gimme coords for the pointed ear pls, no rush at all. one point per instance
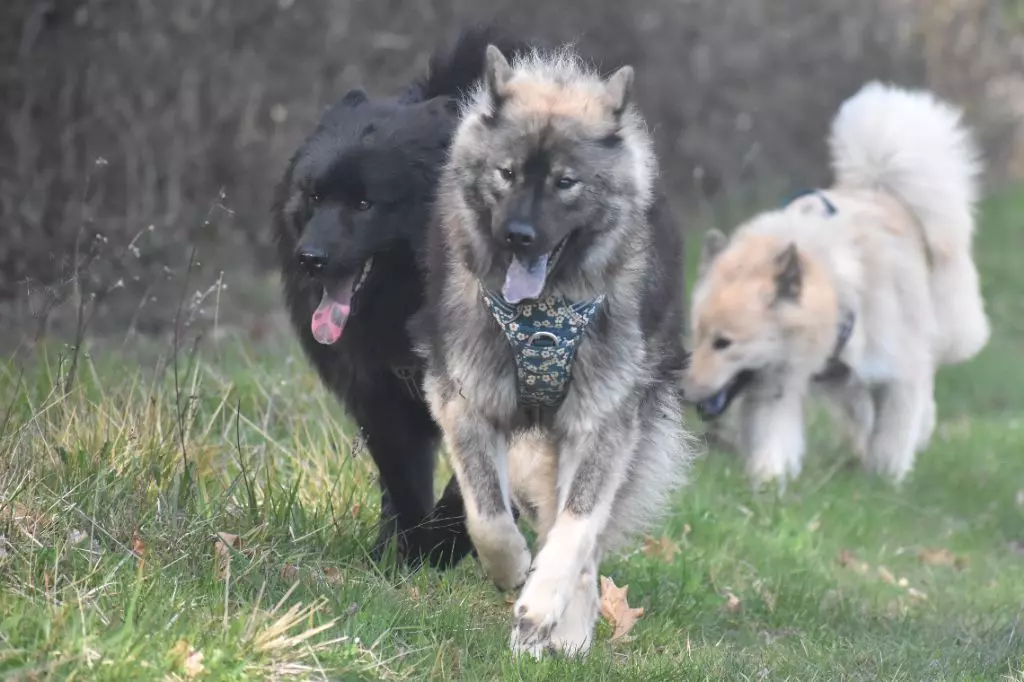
(619, 88)
(715, 242)
(788, 274)
(497, 73)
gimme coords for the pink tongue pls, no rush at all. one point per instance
(330, 316)
(522, 281)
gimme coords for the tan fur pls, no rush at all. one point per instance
(900, 266)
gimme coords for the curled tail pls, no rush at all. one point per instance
(454, 71)
(914, 146)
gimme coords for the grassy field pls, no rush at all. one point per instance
(112, 494)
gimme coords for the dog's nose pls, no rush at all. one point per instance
(520, 235)
(312, 260)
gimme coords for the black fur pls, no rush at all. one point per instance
(362, 185)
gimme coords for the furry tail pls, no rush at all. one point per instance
(914, 146)
(454, 72)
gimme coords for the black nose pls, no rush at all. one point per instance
(312, 260)
(519, 234)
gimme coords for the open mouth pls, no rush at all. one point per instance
(525, 277)
(718, 403)
(330, 316)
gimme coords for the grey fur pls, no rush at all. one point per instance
(617, 441)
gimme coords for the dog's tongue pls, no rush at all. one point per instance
(330, 316)
(524, 281)
(714, 405)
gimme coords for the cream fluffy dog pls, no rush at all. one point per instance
(861, 290)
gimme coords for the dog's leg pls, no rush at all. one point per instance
(574, 631)
(592, 467)
(478, 454)
(856, 411)
(900, 408)
(773, 433)
(404, 459)
(928, 417)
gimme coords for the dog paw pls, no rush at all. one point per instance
(506, 560)
(537, 613)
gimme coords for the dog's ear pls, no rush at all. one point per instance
(715, 242)
(619, 89)
(788, 274)
(498, 73)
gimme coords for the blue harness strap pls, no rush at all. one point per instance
(545, 335)
(830, 208)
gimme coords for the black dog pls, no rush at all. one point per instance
(350, 216)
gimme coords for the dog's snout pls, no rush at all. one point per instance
(520, 235)
(312, 259)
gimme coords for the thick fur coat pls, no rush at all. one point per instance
(550, 193)
(350, 216)
(861, 290)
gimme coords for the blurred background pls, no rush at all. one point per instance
(138, 133)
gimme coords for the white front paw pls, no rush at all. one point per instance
(536, 612)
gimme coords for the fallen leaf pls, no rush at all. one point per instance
(414, 593)
(615, 607)
(510, 599)
(188, 659)
(663, 548)
(77, 536)
(290, 572)
(332, 575)
(917, 594)
(848, 559)
(139, 548)
(223, 544)
(732, 602)
(937, 557)
(886, 575)
(356, 507)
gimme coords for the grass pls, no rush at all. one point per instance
(111, 495)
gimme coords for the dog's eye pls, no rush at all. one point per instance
(506, 174)
(363, 205)
(565, 182)
(721, 343)
(315, 197)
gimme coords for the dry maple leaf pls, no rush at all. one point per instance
(662, 548)
(848, 559)
(187, 658)
(886, 575)
(732, 602)
(941, 557)
(615, 608)
(223, 544)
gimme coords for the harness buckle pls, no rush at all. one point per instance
(552, 340)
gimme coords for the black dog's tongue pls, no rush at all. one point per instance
(330, 316)
(525, 281)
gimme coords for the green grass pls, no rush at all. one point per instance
(108, 569)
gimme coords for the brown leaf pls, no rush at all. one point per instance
(222, 546)
(937, 557)
(188, 659)
(290, 572)
(414, 594)
(848, 559)
(663, 548)
(886, 575)
(732, 602)
(332, 575)
(615, 607)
